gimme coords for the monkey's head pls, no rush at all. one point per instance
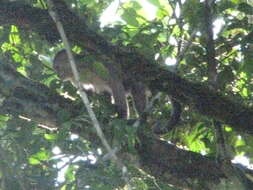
(62, 66)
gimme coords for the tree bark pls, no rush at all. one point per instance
(165, 161)
(206, 101)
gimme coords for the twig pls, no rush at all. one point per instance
(148, 108)
(83, 94)
(185, 47)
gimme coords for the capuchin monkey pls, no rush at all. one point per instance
(110, 79)
(101, 79)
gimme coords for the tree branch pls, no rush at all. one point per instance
(159, 158)
(204, 100)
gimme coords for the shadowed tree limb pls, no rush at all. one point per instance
(204, 100)
(161, 159)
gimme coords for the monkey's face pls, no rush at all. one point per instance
(61, 66)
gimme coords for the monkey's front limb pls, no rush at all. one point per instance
(140, 95)
(118, 90)
(119, 95)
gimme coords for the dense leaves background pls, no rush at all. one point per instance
(55, 138)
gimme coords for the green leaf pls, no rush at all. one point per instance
(129, 15)
(245, 92)
(240, 142)
(245, 8)
(248, 62)
(193, 12)
(70, 174)
(14, 36)
(228, 129)
(64, 187)
(135, 5)
(34, 161)
(223, 5)
(43, 155)
(4, 118)
(155, 2)
(51, 137)
(236, 1)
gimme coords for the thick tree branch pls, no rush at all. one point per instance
(171, 164)
(165, 161)
(31, 99)
(204, 100)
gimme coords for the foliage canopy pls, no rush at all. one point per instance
(174, 46)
